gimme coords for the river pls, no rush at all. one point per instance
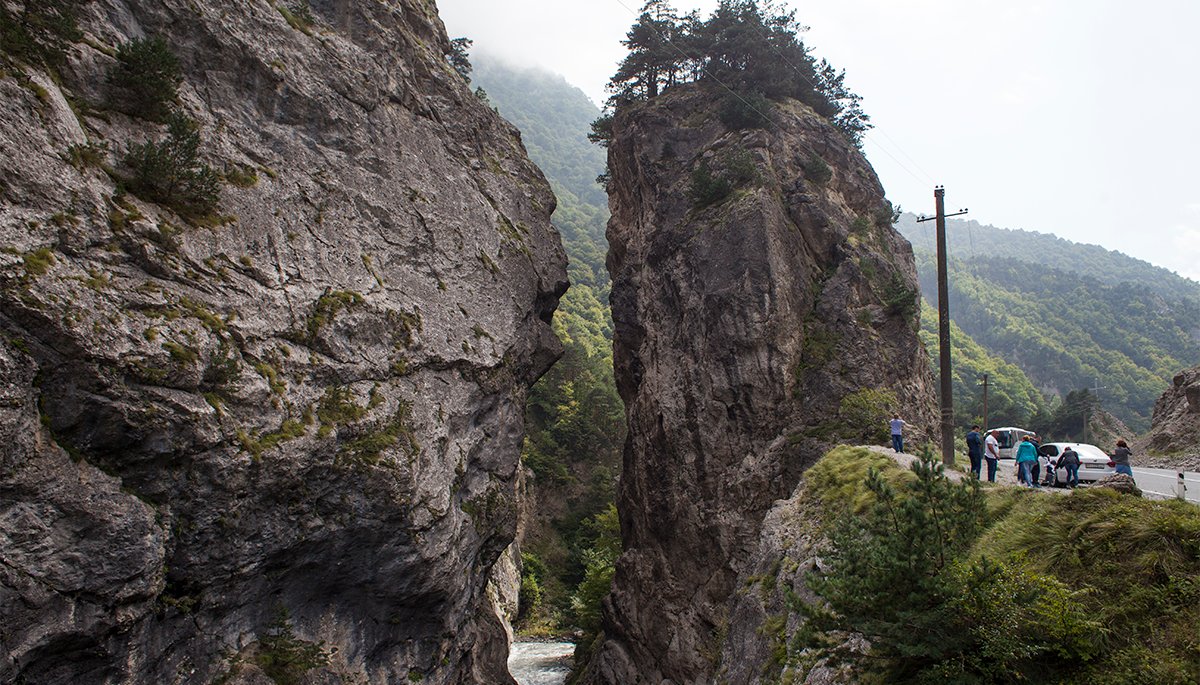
(540, 663)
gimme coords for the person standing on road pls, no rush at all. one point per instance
(974, 450)
(1037, 463)
(1026, 458)
(1069, 460)
(1121, 457)
(897, 425)
(991, 452)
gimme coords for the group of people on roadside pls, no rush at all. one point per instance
(1029, 466)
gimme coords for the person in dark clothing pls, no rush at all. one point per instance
(975, 450)
(1121, 457)
(1069, 460)
(1036, 469)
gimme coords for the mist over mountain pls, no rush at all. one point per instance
(966, 239)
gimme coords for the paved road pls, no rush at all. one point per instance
(1164, 483)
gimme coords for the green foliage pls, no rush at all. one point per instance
(745, 45)
(1066, 331)
(601, 562)
(284, 657)
(38, 262)
(1012, 398)
(556, 121)
(299, 16)
(149, 73)
(325, 308)
(866, 412)
(746, 110)
(41, 32)
(602, 132)
(242, 179)
(899, 299)
(1137, 561)
(366, 448)
(1090, 587)
(337, 408)
(575, 422)
(169, 172)
(706, 188)
(92, 154)
(968, 239)
(817, 171)
(459, 59)
(885, 575)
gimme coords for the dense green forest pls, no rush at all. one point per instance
(1068, 332)
(575, 421)
(1012, 399)
(968, 239)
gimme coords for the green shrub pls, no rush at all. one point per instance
(745, 110)
(899, 299)
(92, 154)
(886, 573)
(1089, 587)
(865, 413)
(242, 179)
(284, 657)
(706, 188)
(740, 169)
(169, 172)
(817, 171)
(149, 73)
(42, 32)
(299, 16)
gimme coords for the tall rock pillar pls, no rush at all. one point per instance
(741, 323)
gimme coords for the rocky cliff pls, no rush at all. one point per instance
(1174, 438)
(297, 418)
(745, 314)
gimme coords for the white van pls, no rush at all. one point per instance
(1009, 438)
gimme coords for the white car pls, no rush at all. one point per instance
(1094, 464)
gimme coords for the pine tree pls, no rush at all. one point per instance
(149, 72)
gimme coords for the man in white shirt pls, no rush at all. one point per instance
(991, 452)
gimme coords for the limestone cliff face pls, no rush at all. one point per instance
(740, 327)
(312, 401)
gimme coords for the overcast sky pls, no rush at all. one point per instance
(1071, 117)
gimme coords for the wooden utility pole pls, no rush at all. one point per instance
(1086, 407)
(939, 194)
(986, 425)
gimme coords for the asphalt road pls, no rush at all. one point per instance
(1164, 483)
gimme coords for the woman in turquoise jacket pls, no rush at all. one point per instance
(1026, 458)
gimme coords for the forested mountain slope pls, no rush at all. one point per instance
(1068, 331)
(1012, 398)
(575, 420)
(967, 239)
